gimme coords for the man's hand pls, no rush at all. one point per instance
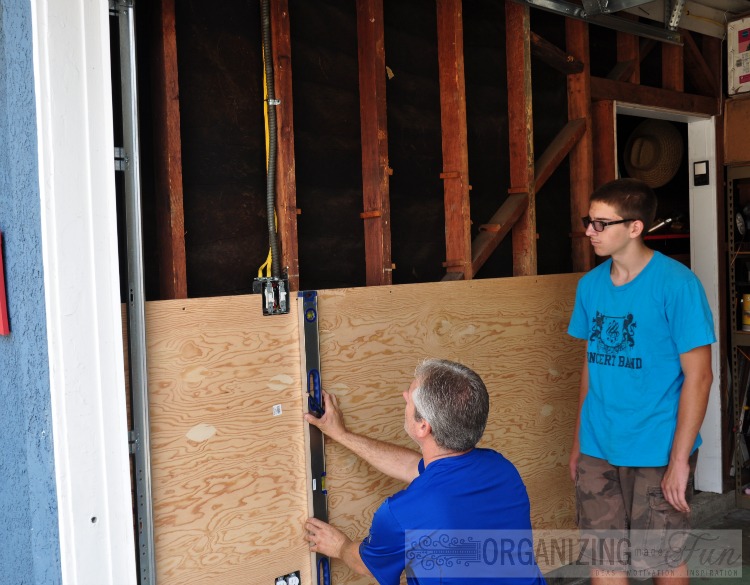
(674, 485)
(325, 539)
(332, 421)
(331, 542)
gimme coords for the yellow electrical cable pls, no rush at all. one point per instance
(269, 259)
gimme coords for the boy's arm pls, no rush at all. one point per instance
(583, 390)
(696, 365)
(395, 461)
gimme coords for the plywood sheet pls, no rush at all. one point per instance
(511, 331)
(229, 491)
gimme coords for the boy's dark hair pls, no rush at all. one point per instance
(631, 198)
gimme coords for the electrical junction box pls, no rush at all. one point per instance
(738, 55)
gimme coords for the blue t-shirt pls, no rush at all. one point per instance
(463, 518)
(636, 333)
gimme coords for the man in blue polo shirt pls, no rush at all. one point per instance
(465, 513)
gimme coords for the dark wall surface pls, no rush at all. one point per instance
(223, 152)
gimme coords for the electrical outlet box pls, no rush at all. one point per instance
(274, 294)
(290, 579)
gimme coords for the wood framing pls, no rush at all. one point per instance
(558, 149)
(455, 173)
(581, 156)
(374, 124)
(607, 89)
(713, 55)
(603, 117)
(628, 58)
(286, 179)
(170, 215)
(494, 231)
(700, 71)
(521, 135)
(672, 67)
(545, 51)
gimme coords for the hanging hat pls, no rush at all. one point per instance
(653, 152)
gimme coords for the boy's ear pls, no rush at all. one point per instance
(637, 228)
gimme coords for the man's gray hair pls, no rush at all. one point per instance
(454, 400)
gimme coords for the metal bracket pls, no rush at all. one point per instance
(132, 442)
(129, 164)
(121, 159)
(307, 305)
(605, 19)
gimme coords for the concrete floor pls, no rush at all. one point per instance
(732, 519)
(715, 513)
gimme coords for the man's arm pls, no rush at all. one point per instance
(331, 542)
(397, 462)
(696, 365)
(582, 391)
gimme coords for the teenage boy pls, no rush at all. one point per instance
(644, 386)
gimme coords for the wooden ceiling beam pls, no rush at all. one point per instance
(455, 173)
(521, 134)
(606, 89)
(374, 125)
(286, 174)
(581, 156)
(170, 213)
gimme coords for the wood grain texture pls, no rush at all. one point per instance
(512, 331)
(454, 137)
(229, 489)
(521, 135)
(228, 476)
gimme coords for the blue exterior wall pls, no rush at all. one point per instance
(29, 539)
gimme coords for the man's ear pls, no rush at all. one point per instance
(424, 429)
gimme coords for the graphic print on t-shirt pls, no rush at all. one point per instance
(613, 338)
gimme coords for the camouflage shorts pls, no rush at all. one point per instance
(626, 524)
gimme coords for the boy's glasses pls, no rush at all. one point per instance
(599, 225)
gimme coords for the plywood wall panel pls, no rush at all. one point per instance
(229, 488)
(228, 476)
(511, 331)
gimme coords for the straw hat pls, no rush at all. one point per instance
(653, 152)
